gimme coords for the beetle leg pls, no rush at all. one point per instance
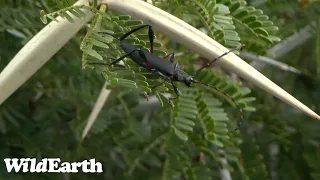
(151, 38)
(122, 57)
(175, 69)
(174, 86)
(158, 84)
(154, 71)
(172, 58)
(143, 56)
(163, 57)
(150, 34)
(146, 95)
(176, 90)
(141, 53)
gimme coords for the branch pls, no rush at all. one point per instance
(192, 38)
(282, 49)
(263, 59)
(291, 42)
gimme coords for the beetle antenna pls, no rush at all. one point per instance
(230, 97)
(240, 47)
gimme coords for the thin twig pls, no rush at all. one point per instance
(266, 60)
(281, 49)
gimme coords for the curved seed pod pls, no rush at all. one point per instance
(194, 39)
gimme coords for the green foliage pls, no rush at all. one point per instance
(227, 21)
(194, 139)
(253, 20)
(19, 22)
(65, 13)
(254, 166)
(217, 20)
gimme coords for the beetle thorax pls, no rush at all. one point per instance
(182, 76)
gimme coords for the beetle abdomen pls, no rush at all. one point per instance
(155, 62)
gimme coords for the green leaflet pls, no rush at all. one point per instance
(66, 13)
(221, 17)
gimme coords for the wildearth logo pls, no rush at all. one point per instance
(52, 165)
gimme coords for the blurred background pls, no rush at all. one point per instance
(46, 116)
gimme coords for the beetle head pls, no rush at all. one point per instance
(188, 80)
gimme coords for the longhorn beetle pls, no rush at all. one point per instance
(168, 69)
